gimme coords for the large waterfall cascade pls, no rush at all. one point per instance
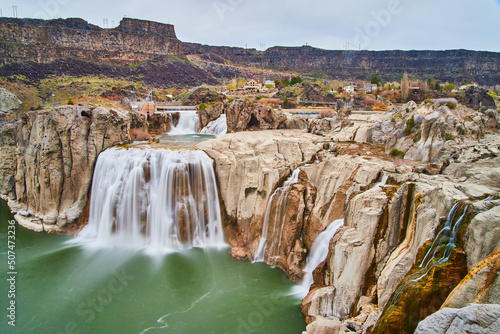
(279, 197)
(155, 199)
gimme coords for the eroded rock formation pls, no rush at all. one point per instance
(388, 227)
(48, 159)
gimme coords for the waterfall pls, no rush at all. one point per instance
(217, 128)
(157, 199)
(278, 220)
(318, 252)
(382, 182)
(188, 123)
(442, 246)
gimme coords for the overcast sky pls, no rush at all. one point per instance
(328, 24)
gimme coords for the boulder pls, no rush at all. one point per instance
(244, 115)
(8, 101)
(477, 98)
(470, 319)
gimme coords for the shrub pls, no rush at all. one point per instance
(409, 126)
(230, 87)
(326, 113)
(417, 137)
(202, 106)
(70, 102)
(449, 87)
(397, 153)
(449, 136)
(39, 107)
(451, 105)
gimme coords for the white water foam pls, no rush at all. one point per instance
(318, 254)
(188, 123)
(217, 128)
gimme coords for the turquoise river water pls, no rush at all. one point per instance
(61, 287)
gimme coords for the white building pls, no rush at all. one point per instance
(269, 82)
(349, 89)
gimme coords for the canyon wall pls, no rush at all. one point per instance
(44, 41)
(48, 159)
(451, 65)
(134, 41)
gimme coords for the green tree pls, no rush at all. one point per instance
(286, 103)
(375, 81)
(449, 87)
(277, 83)
(437, 86)
(286, 82)
(230, 87)
(295, 80)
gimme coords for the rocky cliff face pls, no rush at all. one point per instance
(388, 228)
(450, 65)
(44, 41)
(48, 159)
(250, 169)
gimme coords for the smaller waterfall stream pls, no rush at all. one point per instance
(278, 220)
(188, 123)
(442, 246)
(382, 182)
(217, 128)
(318, 252)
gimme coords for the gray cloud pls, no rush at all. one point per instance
(423, 24)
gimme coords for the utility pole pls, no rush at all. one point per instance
(14, 11)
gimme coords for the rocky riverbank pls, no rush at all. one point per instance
(449, 156)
